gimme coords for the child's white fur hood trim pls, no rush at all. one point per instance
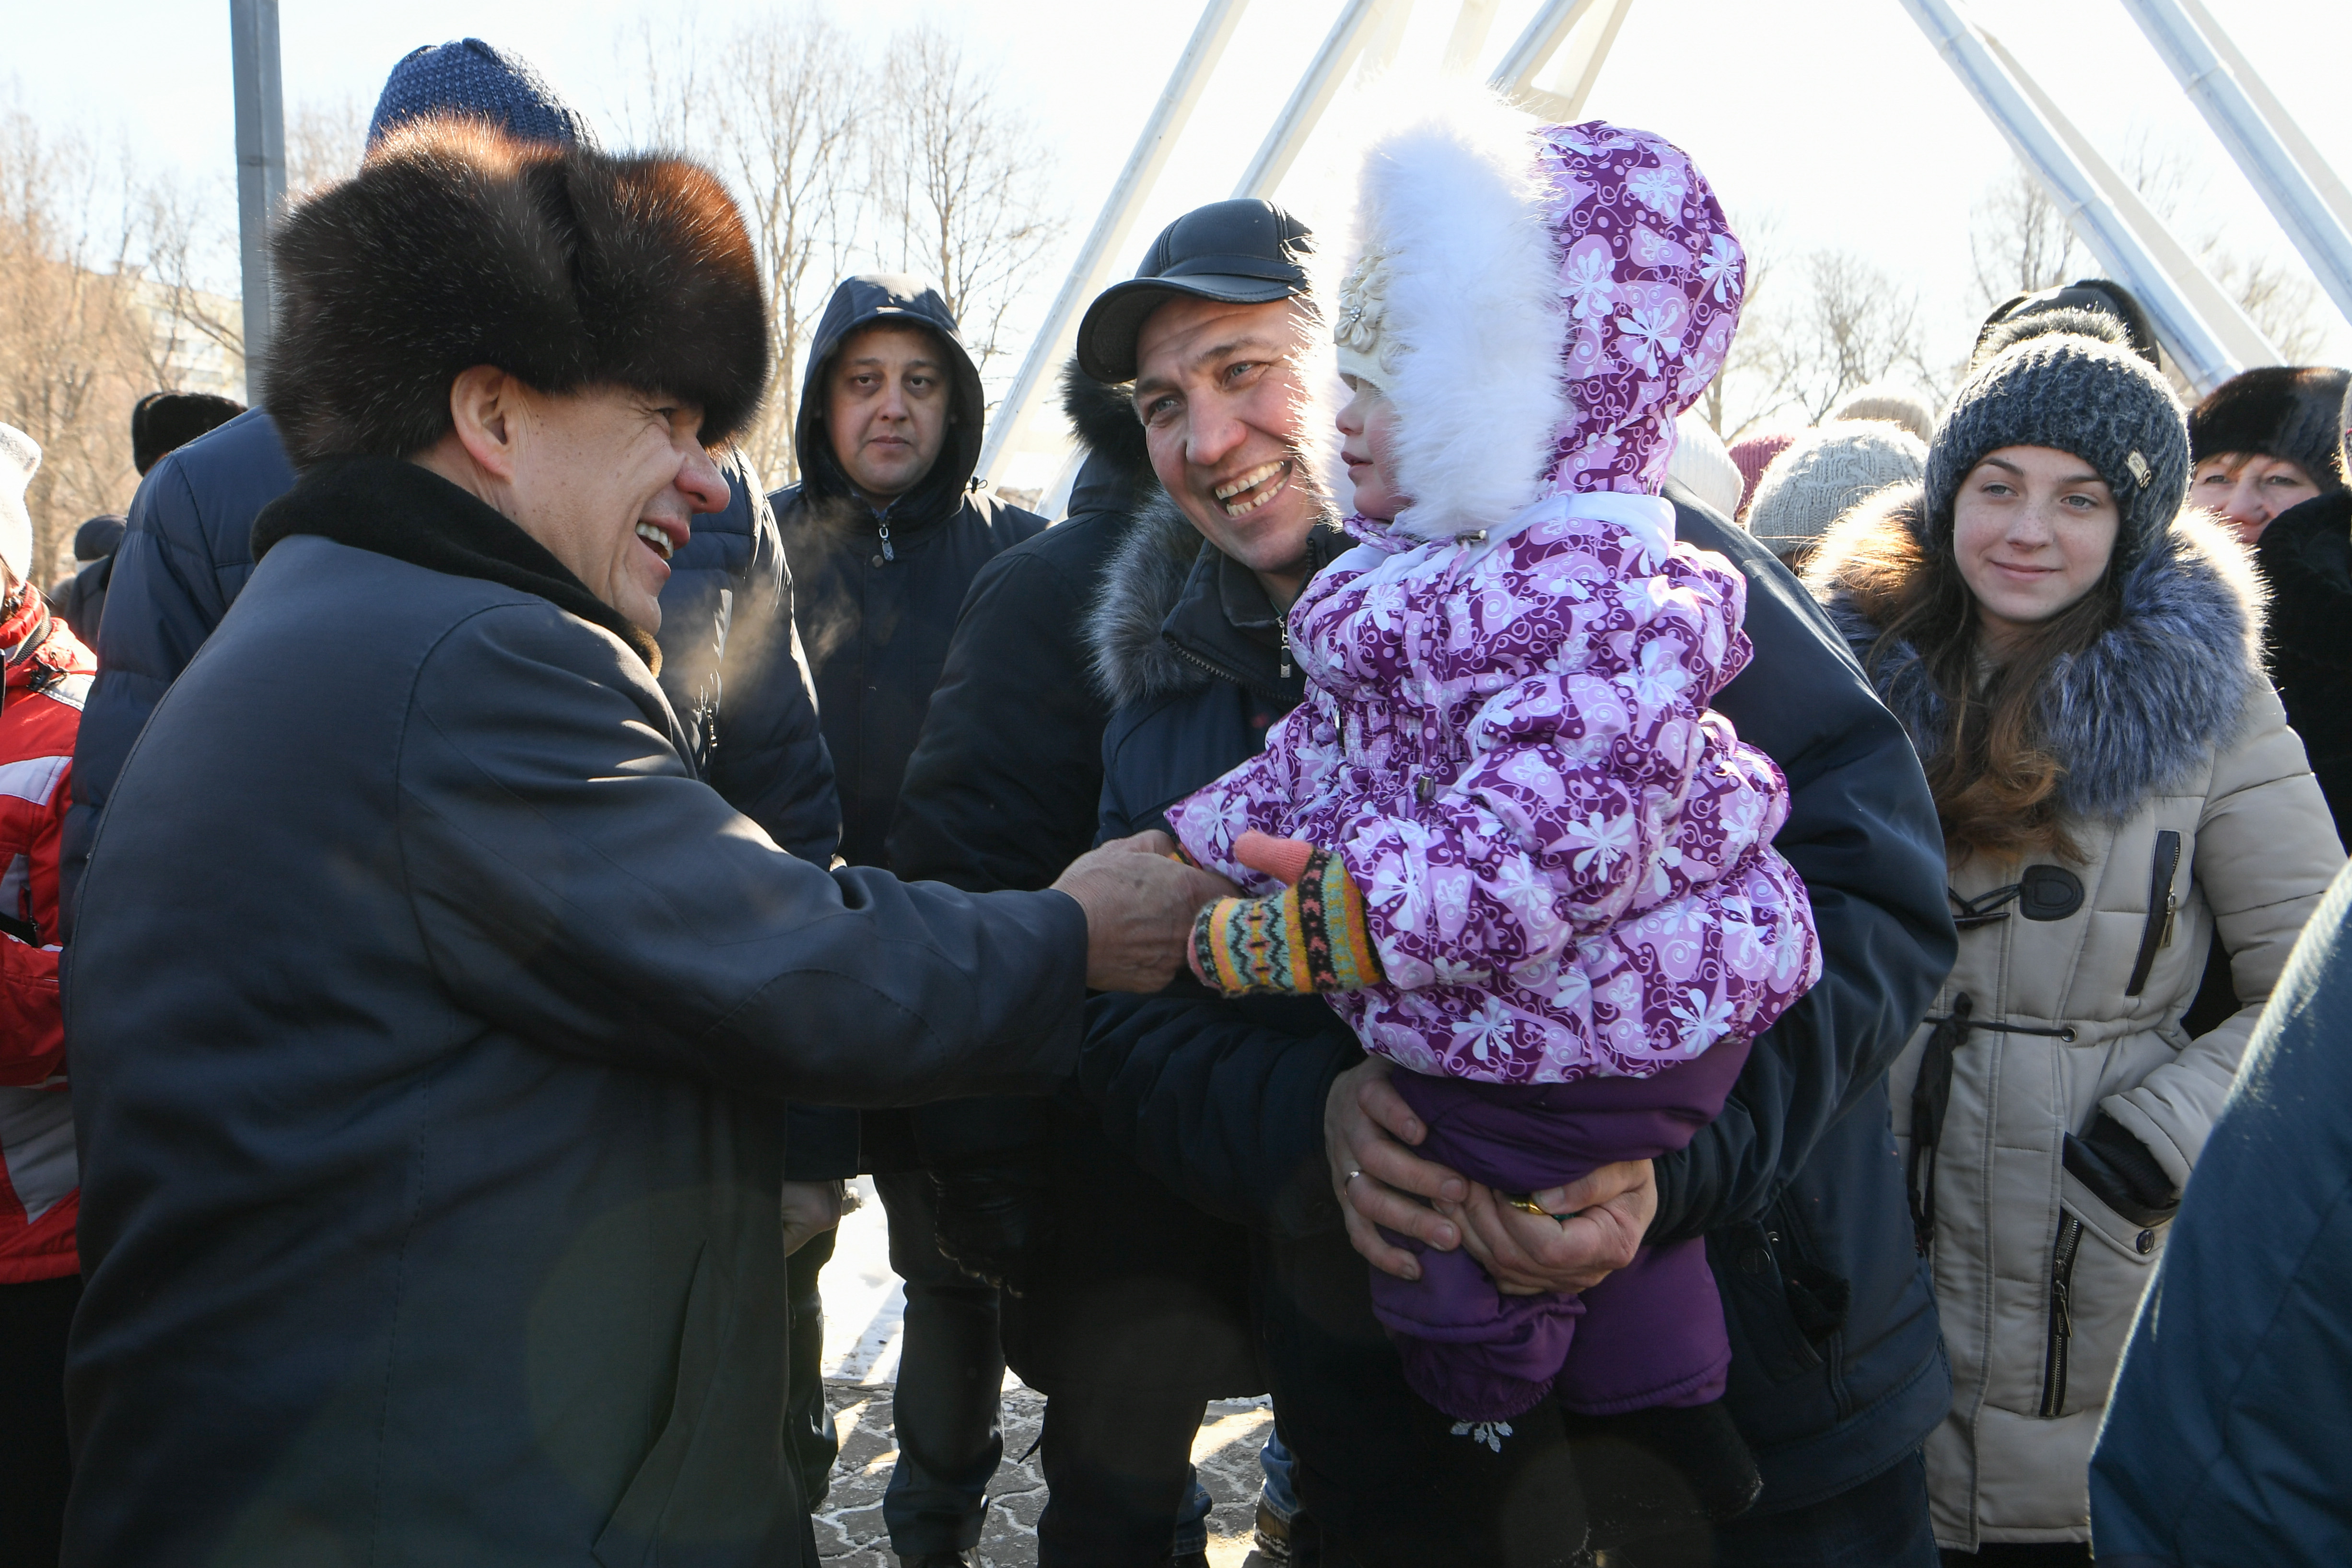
(1474, 305)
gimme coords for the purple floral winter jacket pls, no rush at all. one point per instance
(1566, 858)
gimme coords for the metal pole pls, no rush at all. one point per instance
(1309, 100)
(260, 168)
(1537, 43)
(1471, 24)
(2200, 353)
(2239, 335)
(1091, 271)
(1584, 68)
(2307, 156)
(2293, 199)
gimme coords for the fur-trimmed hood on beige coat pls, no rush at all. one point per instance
(2196, 814)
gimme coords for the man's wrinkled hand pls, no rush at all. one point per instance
(811, 1208)
(1367, 1126)
(1603, 1219)
(1139, 908)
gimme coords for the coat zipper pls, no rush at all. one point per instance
(2062, 1316)
(883, 526)
(2163, 904)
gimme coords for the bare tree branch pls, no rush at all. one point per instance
(961, 182)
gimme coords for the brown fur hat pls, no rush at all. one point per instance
(457, 245)
(2277, 411)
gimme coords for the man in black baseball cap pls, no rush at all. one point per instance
(1216, 333)
(1137, 1311)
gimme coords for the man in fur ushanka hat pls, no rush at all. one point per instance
(433, 1017)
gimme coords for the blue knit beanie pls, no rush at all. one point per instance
(470, 77)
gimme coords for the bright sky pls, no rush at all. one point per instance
(1845, 124)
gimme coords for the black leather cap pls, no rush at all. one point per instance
(2101, 294)
(1244, 252)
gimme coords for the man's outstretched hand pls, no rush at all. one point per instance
(1140, 907)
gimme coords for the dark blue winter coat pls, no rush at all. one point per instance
(2224, 1439)
(876, 617)
(430, 1023)
(1837, 1369)
(1005, 782)
(188, 551)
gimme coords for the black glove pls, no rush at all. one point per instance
(995, 1216)
(2121, 1172)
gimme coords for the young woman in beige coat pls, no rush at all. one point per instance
(2077, 659)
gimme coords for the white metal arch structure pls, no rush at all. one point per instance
(2206, 331)
(1090, 273)
(2318, 227)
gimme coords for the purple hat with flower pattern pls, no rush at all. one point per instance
(1538, 304)
(1654, 281)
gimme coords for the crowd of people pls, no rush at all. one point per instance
(1669, 1004)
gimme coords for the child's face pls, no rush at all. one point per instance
(1367, 428)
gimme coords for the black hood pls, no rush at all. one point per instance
(861, 301)
(1116, 473)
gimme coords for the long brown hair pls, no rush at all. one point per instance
(1993, 776)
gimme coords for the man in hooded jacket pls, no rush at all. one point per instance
(889, 532)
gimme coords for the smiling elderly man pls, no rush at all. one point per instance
(431, 1018)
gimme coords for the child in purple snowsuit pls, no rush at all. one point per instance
(1503, 832)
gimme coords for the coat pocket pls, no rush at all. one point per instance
(2099, 1267)
(1785, 1310)
(2163, 906)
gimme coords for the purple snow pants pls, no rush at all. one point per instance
(1650, 1334)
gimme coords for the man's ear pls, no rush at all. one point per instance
(486, 415)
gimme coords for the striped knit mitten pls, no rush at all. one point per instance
(1309, 937)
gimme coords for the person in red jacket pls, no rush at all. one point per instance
(47, 672)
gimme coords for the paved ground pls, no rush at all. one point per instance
(849, 1526)
(864, 1309)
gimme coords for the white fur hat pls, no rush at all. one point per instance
(20, 457)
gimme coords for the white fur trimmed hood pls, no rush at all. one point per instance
(1540, 303)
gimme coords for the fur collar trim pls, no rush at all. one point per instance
(1103, 419)
(1452, 196)
(1145, 578)
(2142, 710)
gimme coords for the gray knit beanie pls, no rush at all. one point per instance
(2068, 380)
(1892, 403)
(1825, 472)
